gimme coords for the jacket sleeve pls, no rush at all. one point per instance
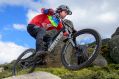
(60, 26)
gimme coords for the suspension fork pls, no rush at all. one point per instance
(73, 42)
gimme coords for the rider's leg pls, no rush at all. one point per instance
(47, 38)
(37, 33)
(31, 30)
(40, 44)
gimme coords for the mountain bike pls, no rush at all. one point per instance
(80, 50)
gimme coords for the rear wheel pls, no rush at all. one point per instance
(88, 43)
(24, 62)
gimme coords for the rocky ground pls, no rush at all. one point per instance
(35, 75)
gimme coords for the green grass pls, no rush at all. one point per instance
(95, 72)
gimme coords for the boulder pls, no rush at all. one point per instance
(54, 58)
(116, 32)
(114, 48)
(100, 61)
(35, 75)
(1, 69)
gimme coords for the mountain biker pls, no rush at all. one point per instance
(48, 20)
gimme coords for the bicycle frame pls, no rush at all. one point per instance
(58, 36)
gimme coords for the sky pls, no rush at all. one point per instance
(101, 15)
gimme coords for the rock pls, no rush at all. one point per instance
(116, 32)
(54, 58)
(35, 75)
(114, 48)
(106, 53)
(100, 61)
(105, 41)
(1, 69)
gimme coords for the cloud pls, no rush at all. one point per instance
(108, 17)
(9, 51)
(31, 13)
(20, 27)
(24, 3)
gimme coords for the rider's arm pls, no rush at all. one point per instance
(60, 26)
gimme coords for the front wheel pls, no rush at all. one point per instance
(88, 43)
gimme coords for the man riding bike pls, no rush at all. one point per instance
(74, 54)
(48, 20)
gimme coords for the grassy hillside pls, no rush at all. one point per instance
(94, 72)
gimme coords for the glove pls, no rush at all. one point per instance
(65, 34)
(46, 26)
